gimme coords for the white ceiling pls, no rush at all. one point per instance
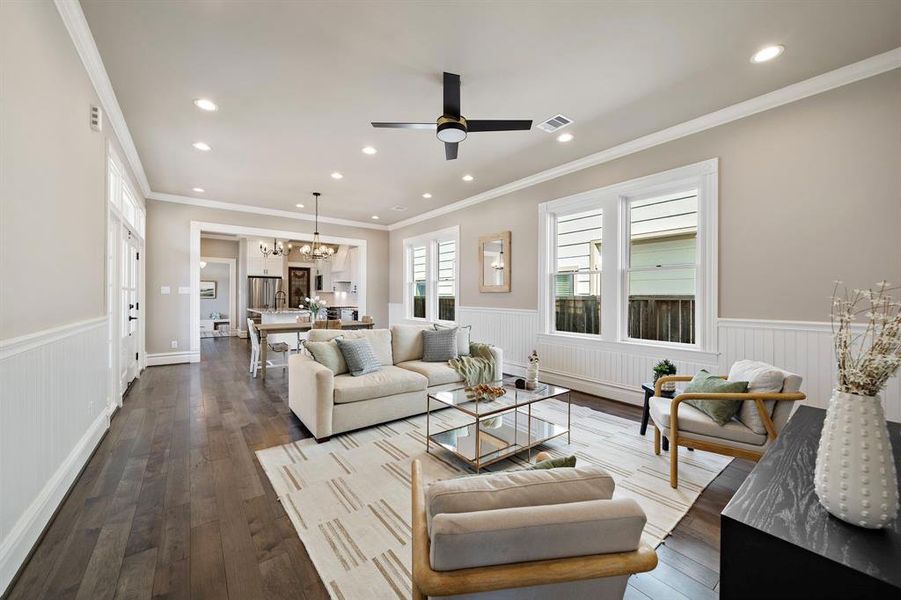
(298, 84)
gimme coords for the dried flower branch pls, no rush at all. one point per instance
(866, 360)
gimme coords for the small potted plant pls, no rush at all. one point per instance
(665, 367)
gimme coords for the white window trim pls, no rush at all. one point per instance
(430, 241)
(613, 200)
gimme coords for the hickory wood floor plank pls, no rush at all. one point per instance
(174, 504)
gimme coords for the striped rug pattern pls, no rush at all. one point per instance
(349, 498)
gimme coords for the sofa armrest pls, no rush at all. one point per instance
(311, 394)
(497, 357)
(545, 532)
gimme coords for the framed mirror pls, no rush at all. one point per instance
(494, 262)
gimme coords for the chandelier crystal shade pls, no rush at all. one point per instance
(317, 251)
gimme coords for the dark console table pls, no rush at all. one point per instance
(778, 542)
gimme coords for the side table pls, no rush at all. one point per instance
(648, 393)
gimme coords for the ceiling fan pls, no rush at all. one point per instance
(452, 127)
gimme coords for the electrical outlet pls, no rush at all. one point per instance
(174, 344)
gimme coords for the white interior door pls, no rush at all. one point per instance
(129, 308)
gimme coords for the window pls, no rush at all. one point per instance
(647, 247)
(577, 278)
(419, 282)
(431, 276)
(663, 233)
(447, 279)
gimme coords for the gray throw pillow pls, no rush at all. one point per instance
(359, 356)
(463, 337)
(439, 345)
(720, 411)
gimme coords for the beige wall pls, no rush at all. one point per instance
(219, 248)
(168, 264)
(52, 177)
(809, 192)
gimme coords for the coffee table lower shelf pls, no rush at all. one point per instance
(499, 437)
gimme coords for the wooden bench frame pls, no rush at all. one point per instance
(676, 439)
(428, 582)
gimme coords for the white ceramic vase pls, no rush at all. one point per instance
(855, 477)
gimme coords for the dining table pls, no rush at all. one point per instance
(266, 328)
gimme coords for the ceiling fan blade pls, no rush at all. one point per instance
(451, 95)
(405, 125)
(497, 125)
(450, 150)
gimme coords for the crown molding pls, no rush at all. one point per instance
(77, 26)
(257, 210)
(869, 67)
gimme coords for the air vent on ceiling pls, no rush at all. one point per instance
(399, 208)
(554, 123)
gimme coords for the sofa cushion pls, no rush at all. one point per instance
(380, 339)
(387, 381)
(327, 354)
(359, 356)
(437, 373)
(691, 420)
(406, 342)
(518, 488)
(439, 345)
(761, 378)
(464, 334)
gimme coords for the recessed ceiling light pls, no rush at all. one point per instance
(468, 178)
(427, 195)
(369, 150)
(376, 217)
(565, 137)
(337, 175)
(768, 53)
(199, 190)
(299, 205)
(204, 104)
(202, 146)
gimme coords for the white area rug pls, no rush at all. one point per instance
(349, 498)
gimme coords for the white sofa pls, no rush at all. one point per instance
(329, 404)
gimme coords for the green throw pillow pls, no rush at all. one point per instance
(553, 463)
(720, 411)
(328, 354)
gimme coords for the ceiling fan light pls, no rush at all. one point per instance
(451, 132)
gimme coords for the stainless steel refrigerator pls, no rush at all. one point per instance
(261, 291)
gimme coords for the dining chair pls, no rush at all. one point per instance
(255, 362)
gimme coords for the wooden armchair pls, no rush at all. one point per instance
(596, 576)
(684, 425)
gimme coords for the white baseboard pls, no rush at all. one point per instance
(28, 529)
(172, 358)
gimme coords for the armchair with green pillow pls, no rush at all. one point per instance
(739, 414)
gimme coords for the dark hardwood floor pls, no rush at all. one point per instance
(174, 504)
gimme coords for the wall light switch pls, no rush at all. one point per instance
(164, 289)
(184, 290)
(174, 344)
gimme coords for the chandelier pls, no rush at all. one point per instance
(318, 251)
(276, 249)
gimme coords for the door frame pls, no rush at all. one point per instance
(207, 227)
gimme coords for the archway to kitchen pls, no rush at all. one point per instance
(341, 282)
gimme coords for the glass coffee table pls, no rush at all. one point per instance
(500, 427)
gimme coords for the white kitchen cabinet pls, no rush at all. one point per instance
(261, 266)
(324, 270)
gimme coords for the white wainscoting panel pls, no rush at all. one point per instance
(53, 412)
(618, 370)
(799, 346)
